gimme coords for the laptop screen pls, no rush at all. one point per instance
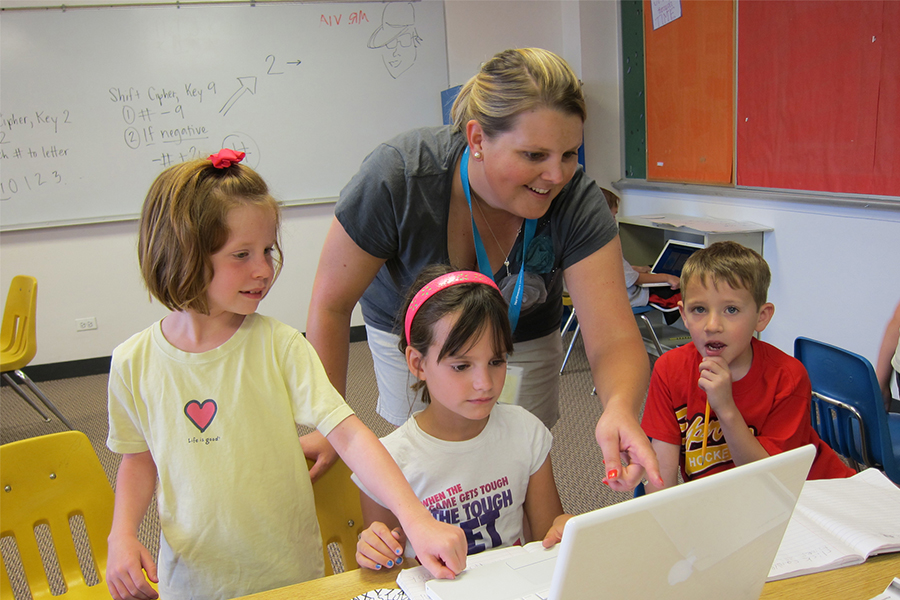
(671, 260)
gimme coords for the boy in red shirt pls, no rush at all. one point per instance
(758, 396)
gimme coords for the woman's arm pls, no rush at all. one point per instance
(619, 363)
(345, 271)
(440, 547)
(543, 507)
(128, 559)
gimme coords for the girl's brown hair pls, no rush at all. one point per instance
(479, 307)
(184, 222)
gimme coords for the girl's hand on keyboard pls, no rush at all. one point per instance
(379, 547)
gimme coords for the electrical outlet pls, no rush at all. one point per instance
(85, 324)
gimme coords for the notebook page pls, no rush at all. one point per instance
(861, 511)
(837, 519)
(806, 548)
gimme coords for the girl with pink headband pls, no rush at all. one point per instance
(472, 462)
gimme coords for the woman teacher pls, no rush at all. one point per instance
(498, 187)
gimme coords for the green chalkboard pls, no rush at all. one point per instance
(633, 89)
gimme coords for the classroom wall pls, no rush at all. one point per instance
(836, 274)
(835, 270)
(585, 33)
(91, 270)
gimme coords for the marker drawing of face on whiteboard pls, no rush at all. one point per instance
(397, 37)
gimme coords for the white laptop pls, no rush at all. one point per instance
(671, 259)
(711, 538)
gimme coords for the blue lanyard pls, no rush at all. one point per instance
(515, 303)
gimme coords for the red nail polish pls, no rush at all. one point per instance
(612, 474)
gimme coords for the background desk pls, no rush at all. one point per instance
(861, 582)
(644, 236)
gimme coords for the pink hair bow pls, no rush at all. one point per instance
(226, 157)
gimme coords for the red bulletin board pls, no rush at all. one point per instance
(819, 95)
(690, 93)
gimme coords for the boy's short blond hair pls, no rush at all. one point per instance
(738, 266)
(184, 222)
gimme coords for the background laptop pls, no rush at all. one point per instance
(671, 259)
(711, 538)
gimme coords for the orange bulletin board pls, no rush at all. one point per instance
(819, 95)
(690, 93)
(779, 94)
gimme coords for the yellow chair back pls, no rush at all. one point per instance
(18, 340)
(339, 513)
(46, 481)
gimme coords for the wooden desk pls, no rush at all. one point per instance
(861, 582)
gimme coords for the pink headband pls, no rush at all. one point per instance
(226, 157)
(441, 283)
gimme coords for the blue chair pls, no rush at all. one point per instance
(847, 409)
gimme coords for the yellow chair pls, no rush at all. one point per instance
(18, 342)
(46, 481)
(339, 513)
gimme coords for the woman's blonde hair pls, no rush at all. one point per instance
(513, 82)
(184, 222)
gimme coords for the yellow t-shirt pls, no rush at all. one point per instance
(234, 495)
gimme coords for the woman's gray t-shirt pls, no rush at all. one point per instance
(397, 207)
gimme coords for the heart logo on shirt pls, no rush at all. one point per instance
(201, 414)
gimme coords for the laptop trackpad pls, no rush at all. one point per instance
(536, 567)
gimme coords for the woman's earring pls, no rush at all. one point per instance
(476, 155)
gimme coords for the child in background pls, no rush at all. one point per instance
(888, 362)
(758, 396)
(635, 277)
(477, 464)
(206, 400)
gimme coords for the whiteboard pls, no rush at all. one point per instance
(96, 102)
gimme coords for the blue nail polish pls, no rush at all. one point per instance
(397, 551)
(399, 560)
(377, 567)
(390, 564)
